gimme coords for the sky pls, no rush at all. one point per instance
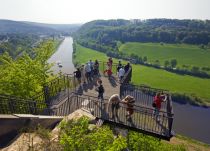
(81, 11)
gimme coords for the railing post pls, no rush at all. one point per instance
(121, 90)
(169, 113)
(46, 95)
(11, 105)
(68, 86)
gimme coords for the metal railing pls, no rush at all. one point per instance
(144, 95)
(11, 105)
(57, 90)
(53, 93)
(141, 120)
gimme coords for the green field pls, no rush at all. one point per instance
(156, 78)
(184, 54)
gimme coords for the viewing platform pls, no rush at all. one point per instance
(64, 95)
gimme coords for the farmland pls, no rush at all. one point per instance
(156, 78)
(189, 55)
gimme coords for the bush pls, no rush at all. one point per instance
(75, 135)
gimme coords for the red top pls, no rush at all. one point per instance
(158, 101)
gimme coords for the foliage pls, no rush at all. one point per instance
(104, 35)
(75, 135)
(141, 142)
(108, 36)
(16, 44)
(173, 63)
(24, 77)
(166, 64)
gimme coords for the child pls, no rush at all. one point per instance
(100, 90)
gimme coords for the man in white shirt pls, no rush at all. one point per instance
(88, 72)
(121, 73)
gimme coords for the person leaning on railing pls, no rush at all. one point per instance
(158, 99)
(129, 101)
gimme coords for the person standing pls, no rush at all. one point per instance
(127, 66)
(158, 99)
(100, 90)
(78, 75)
(88, 72)
(119, 65)
(121, 73)
(129, 75)
(96, 68)
(108, 69)
(110, 62)
(91, 67)
(83, 73)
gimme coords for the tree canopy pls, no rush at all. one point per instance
(25, 76)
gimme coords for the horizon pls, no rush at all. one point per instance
(95, 19)
(80, 12)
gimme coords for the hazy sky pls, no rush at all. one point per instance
(80, 11)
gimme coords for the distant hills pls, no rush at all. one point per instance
(100, 34)
(20, 27)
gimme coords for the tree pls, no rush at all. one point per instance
(157, 63)
(145, 59)
(25, 77)
(75, 135)
(195, 69)
(173, 63)
(166, 64)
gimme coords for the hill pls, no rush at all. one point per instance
(65, 28)
(20, 27)
(104, 35)
(15, 27)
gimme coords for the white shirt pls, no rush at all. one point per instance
(87, 68)
(121, 72)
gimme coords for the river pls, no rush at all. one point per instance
(64, 56)
(191, 121)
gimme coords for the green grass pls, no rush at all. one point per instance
(156, 78)
(185, 54)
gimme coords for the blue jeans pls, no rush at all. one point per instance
(156, 112)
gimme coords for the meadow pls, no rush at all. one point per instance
(156, 78)
(190, 55)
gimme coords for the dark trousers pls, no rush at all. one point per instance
(101, 96)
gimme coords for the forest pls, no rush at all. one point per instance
(109, 36)
(105, 34)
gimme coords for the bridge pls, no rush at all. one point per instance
(64, 95)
